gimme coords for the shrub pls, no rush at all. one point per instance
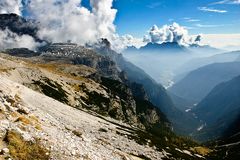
(23, 150)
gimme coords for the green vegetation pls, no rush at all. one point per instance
(22, 150)
(24, 120)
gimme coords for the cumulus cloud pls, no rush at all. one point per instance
(146, 39)
(9, 40)
(68, 20)
(10, 6)
(120, 43)
(61, 21)
(205, 9)
(169, 33)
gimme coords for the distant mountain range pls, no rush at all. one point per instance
(204, 49)
(163, 48)
(195, 63)
(220, 110)
(198, 83)
(170, 48)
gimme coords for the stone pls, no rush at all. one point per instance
(4, 125)
(23, 110)
(5, 151)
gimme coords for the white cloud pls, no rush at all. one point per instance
(68, 20)
(187, 19)
(61, 21)
(170, 33)
(9, 40)
(154, 5)
(122, 42)
(208, 25)
(10, 6)
(205, 9)
(227, 2)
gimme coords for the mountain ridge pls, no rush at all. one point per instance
(194, 87)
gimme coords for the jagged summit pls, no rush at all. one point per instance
(163, 48)
(102, 46)
(171, 47)
(75, 54)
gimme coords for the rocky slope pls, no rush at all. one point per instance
(80, 131)
(65, 132)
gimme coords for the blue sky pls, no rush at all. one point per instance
(135, 17)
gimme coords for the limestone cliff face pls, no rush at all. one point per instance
(72, 53)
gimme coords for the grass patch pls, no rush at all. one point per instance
(24, 120)
(34, 118)
(38, 127)
(201, 150)
(5, 70)
(22, 150)
(14, 114)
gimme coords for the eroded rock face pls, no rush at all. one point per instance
(21, 52)
(72, 53)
